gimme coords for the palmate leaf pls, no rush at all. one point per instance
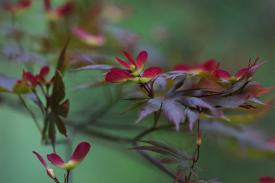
(59, 106)
(229, 102)
(153, 105)
(196, 102)
(246, 96)
(174, 111)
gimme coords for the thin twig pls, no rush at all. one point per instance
(31, 113)
(156, 163)
(196, 155)
(40, 103)
(102, 135)
(68, 176)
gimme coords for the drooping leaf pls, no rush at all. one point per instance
(60, 125)
(58, 92)
(230, 102)
(195, 102)
(239, 85)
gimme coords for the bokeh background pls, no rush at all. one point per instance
(189, 31)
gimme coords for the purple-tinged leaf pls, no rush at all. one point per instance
(192, 116)
(194, 102)
(231, 102)
(161, 82)
(174, 111)
(239, 85)
(153, 105)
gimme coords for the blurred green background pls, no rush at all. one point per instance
(187, 30)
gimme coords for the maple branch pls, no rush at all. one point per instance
(196, 154)
(156, 163)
